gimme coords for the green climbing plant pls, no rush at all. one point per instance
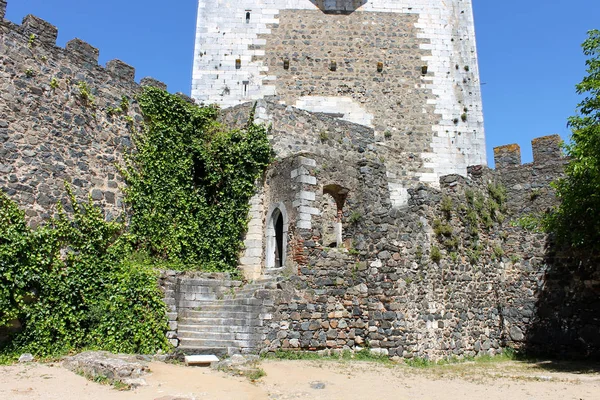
(190, 181)
(71, 284)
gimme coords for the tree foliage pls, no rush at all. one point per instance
(71, 285)
(190, 182)
(576, 221)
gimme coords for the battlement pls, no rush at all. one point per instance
(39, 32)
(546, 149)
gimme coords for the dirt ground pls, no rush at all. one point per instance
(318, 380)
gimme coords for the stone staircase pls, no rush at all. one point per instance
(222, 318)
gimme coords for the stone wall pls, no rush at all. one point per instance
(63, 119)
(407, 69)
(455, 274)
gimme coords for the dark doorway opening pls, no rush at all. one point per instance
(279, 241)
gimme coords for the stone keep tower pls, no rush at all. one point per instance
(408, 69)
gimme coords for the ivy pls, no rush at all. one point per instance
(82, 282)
(190, 181)
(71, 284)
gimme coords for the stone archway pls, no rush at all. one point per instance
(277, 233)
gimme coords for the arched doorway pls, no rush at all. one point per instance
(277, 230)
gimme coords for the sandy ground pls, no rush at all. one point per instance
(316, 380)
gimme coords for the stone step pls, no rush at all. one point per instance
(221, 322)
(183, 335)
(221, 329)
(200, 343)
(226, 308)
(209, 282)
(218, 351)
(219, 314)
(251, 301)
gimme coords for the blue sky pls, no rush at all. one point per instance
(529, 52)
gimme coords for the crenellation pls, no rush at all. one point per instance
(84, 51)
(2, 9)
(44, 31)
(507, 156)
(149, 81)
(121, 70)
(547, 149)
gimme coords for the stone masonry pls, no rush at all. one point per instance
(407, 69)
(50, 133)
(347, 245)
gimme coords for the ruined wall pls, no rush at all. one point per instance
(301, 140)
(454, 274)
(52, 132)
(407, 69)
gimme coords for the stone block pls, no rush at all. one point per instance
(84, 51)
(2, 8)
(44, 31)
(148, 81)
(507, 156)
(121, 70)
(546, 149)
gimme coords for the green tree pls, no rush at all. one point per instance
(576, 222)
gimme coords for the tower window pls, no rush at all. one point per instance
(245, 88)
(247, 17)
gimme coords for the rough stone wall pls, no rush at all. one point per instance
(423, 99)
(484, 290)
(51, 133)
(299, 138)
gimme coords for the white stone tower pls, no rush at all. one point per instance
(406, 68)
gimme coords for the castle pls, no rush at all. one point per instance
(378, 225)
(407, 69)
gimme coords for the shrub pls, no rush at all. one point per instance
(71, 285)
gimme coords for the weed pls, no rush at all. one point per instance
(255, 374)
(418, 362)
(124, 103)
(31, 41)
(29, 73)
(323, 136)
(112, 111)
(447, 206)
(387, 134)
(436, 254)
(498, 252)
(85, 93)
(470, 197)
(442, 229)
(463, 117)
(530, 222)
(54, 83)
(497, 192)
(454, 256)
(535, 193)
(354, 218)
(515, 258)
(419, 253)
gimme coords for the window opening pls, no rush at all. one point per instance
(334, 199)
(247, 17)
